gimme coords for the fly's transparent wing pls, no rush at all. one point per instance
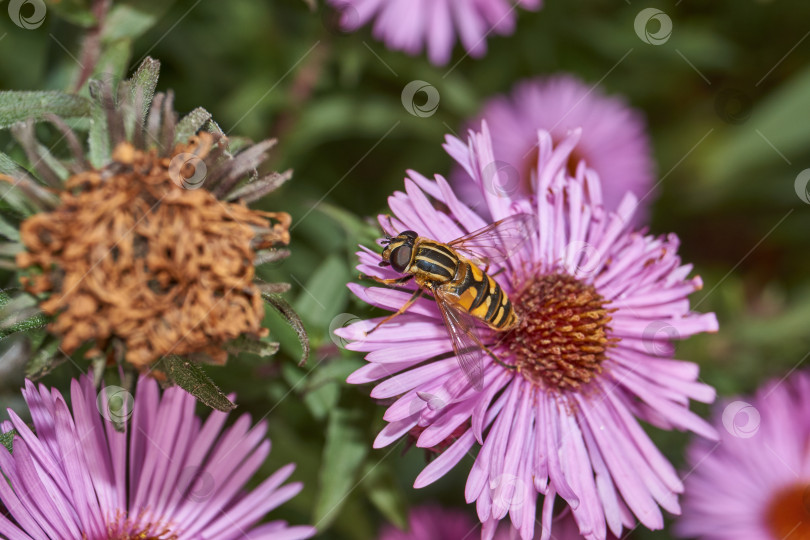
(498, 241)
(465, 338)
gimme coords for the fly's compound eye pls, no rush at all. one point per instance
(410, 234)
(400, 258)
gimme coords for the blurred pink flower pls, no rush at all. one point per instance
(565, 528)
(168, 475)
(410, 26)
(614, 141)
(599, 307)
(754, 483)
(432, 522)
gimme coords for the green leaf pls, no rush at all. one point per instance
(129, 20)
(8, 230)
(191, 378)
(7, 439)
(325, 294)
(381, 487)
(11, 197)
(359, 231)
(44, 360)
(191, 124)
(98, 140)
(78, 12)
(143, 84)
(17, 105)
(322, 385)
(260, 187)
(292, 318)
(770, 130)
(264, 349)
(113, 63)
(29, 323)
(344, 452)
(19, 314)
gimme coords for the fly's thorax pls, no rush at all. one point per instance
(433, 261)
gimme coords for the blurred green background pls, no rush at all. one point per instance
(727, 100)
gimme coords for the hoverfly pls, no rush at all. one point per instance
(463, 291)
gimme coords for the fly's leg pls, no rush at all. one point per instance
(416, 294)
(394, 281)
(497, 360)
(490, 353)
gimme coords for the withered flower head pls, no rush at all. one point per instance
(146, 247)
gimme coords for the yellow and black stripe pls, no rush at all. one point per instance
(436, 260)
(481, 296)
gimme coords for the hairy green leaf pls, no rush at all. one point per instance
(292, 318)
(191, 378)
(45, 359)
(191, 124)
(247, 344)
(18, 105)
(98, 140)
(260, 187)
(143, 85)
(19, 314)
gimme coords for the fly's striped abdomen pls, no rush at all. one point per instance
(434, 262)
(481, 296)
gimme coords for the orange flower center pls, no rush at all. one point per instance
(788, 515)
(562, 335)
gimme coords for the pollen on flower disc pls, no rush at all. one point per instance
(562, 335)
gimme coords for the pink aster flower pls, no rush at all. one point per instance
(565, 528)
(598, 305)
(432, 522)
(755, 483)
(614, 141)
(410, 26)
(169, 475)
